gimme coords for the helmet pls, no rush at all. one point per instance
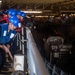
(23, 14)
(12, 12)
(14, 20)
(18, 12)
(4, 11)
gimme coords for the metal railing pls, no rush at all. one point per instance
(36, 64)
(21, 40)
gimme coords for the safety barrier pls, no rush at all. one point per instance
(20, 57)
(36, 64)
(21, 40)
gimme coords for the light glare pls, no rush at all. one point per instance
(0, 1)
(32, 11)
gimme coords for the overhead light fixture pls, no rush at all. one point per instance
(41, 16)
(30, 11)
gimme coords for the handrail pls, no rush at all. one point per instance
(36, 64)
(21, 40)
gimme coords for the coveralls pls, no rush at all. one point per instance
(5, 37)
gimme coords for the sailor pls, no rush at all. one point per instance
(4, 16)
(7, 33)
(20, 15)
(12, 12)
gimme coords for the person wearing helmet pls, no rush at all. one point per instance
(23, 15)
(23, 18)
(12, 12)
(20, 16)
(4, 11)
(4, 18)
(7, 33)
(6, 14)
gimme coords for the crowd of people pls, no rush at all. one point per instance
(10, 25)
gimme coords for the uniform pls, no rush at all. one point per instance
(6, 36)
(7, 32)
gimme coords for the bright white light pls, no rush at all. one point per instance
(32, 11)
(27, 16)
(58, 17)
(0, 1)
(41, 16)
(63, 14)
(74, 14)
(70, 15)
(52, 16)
